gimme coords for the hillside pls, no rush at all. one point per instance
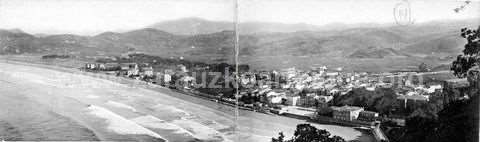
(193, 26)
(377, 53)
(362, 49)
(17, 42)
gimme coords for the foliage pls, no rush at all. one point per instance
(382, 100)
(55, 56)
(423, 67)
(471, 53)
(308, 133)
(457, 122)
(385, 102)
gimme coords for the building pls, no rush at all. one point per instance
(147, 71)
(187, 82)
(182, 68)
(292, 100)
(323, 104)
(276, 97)
(454, 89)
(126, 66)
(167, 78)
(347, 113)
(91, 66)
(109, 66)
(324, 101)
(309, 100)
(368, 116)
(133, 72)
(433, 88)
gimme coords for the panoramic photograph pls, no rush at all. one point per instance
(240, 70)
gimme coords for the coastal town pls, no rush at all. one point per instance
(240, 70)
(314, 94)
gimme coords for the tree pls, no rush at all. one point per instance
(471, 53)
(423, 67)
(308, 133)
(280, 138)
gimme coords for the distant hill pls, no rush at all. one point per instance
(361, 48)
(376, 53)
(192, 26)
(17, 42)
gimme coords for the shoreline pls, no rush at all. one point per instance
(365, 136)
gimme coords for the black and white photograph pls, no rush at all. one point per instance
(240, 70)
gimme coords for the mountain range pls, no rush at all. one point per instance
(193, 26)
(264, 45)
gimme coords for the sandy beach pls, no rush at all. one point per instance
(71, 106)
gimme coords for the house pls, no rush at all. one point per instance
(147, 71)
(101, 66)
(182, 68)
(133, 72)
(126, 66)
(347, 113)
(292, 100)
(167, 78)
(91, 66)
(276, 97)
(187, 81)
(368, 116)
(309, 100)
(110, 66)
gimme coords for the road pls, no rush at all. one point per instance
(45, 104)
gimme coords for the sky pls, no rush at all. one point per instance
(89, 17)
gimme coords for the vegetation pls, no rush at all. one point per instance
(471, 53)
(423, 67)
(308, 133)
(267, 50)
(457, 122)
(55, 56)
(384, 101)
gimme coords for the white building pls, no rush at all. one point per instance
(167, 78)
(347, 113)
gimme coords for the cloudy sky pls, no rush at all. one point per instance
(90, 17)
